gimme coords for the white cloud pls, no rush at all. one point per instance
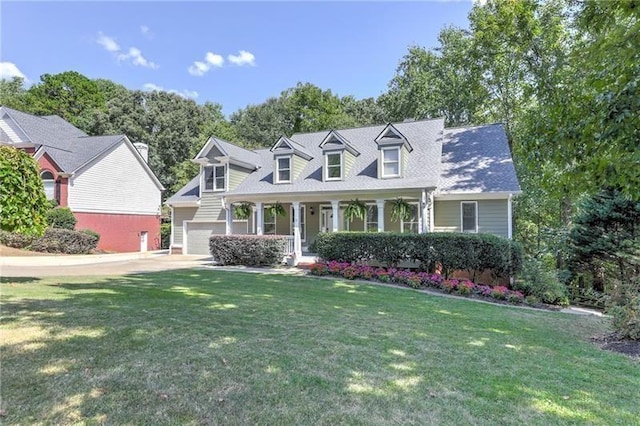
(144, 29)
(8, 70)
(134, 55)
(199, 68)
(136, 58)
(243, 58)
(108, 43)
(187, 94)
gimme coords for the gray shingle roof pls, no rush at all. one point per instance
(472, 159)
(477, 159)
(67, 145)
(237, 152)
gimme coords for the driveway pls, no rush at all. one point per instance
(48, 266)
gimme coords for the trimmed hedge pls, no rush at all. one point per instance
(61, 217)
(445, 250)
(15, 240)
(58, 240)
(248, 250)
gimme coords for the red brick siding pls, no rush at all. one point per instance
(121, 232)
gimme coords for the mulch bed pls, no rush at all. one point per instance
(613, 343)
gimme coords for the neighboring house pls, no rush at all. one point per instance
(104, 180)
(457, 180)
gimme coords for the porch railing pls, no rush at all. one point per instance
(291, 243)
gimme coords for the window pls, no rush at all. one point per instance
(269, 222)
(333, 166)
(411, 225)
(303, 226)
(469, 216)
(49, 184)
(371, 223)
(283, 172)
(214, 178)
(390, 162)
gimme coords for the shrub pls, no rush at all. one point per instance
(540, 281)
(624, 307)
(57, 240)
(93, 234)
(165, 235)
(451, 251)
(15, 240)
(249, 250)
(61, 217)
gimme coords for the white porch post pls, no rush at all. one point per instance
(336, 212)
(229, 227)
(424, 214)
(510, 217)
(259, 219)
(432, 206)
(380, 204)
(297, 240)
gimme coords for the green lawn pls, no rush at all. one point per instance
(207, 347)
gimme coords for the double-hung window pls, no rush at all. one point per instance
(390, 162)
(333, 166)
(469, 216)
(214, 178)
(371, 224)
(411, 223)
(49, 184)
(269, 222)
(283, 172)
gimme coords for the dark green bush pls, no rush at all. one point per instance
(449, 251)
(57, 240)
(540, 280)
(61, 217)
(93, 234)
(165, 235)
(249, 250)
(15, 240)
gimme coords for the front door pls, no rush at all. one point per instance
(143, 241)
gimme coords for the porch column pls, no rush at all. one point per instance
(424, 214)
(432, 206)
(259, 219)
(335, 210)
(380, 204)
(297, 241)
(510, 217)
(229, 227)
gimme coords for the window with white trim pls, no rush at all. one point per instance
(371, 222)
(411, 224)
(333, 166)
(283, 169)
(469, 216)
(390, 162)
(269, 222)
(303, 225)
(49, 184)
(214, 178)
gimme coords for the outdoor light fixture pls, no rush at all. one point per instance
(311, 210)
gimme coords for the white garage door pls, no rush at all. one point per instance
(198, 234)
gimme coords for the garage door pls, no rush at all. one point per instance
(198, 234)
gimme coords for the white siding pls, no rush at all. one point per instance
(115, 183)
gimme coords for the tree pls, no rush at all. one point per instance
(70, 95)
(23, 203)
(12, 93)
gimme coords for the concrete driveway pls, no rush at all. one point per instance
(112, 264)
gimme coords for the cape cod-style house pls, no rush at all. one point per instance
(455, 180)
(104, 180)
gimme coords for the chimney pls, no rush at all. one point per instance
(143, 150)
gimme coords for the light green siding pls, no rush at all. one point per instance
(492, 216)
(299, 164)
(313, 221)
(390, 225)
(180, 214)
(347, 160)
(404, 158)
(210, 207)
(283, 223)
(237, 174)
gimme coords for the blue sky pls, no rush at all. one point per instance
(234, 54)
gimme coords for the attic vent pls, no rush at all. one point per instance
(143, 150)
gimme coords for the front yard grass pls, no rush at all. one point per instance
(209, 347)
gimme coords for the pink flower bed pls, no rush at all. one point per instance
(415, 280)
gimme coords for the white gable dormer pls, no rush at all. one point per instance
(11, 133)
(393, 152)
(339, 155)
(290, 158)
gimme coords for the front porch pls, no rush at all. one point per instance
(303, 220)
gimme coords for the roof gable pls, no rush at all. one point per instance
(390, 135)
(285, 145)
(11, 133)
(335, 141)
(241, 156)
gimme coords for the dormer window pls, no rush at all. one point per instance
(283, 169)
(214, 178)
(333, 166)
(390, 162)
